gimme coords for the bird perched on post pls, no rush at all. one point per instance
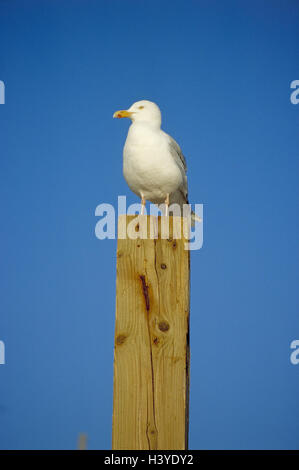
(153, 163)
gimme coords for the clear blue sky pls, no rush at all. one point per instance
(221, 73)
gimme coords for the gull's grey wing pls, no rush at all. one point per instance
(177, 154)
(180, 160)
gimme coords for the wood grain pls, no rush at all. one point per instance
(151, 354)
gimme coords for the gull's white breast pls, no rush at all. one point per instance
(148, 165)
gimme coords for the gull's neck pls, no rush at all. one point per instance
(151, 125)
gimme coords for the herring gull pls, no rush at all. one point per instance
(153, 164)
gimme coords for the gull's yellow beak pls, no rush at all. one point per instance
(122, 114)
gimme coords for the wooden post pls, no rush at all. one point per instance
(151, 352)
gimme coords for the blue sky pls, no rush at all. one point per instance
(221, 74)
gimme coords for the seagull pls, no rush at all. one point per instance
(153, 164)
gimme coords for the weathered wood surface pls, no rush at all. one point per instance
(151, 355)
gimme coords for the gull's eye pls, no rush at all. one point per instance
(141, 107)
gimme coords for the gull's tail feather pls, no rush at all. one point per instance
(195, 218)
(180, 197)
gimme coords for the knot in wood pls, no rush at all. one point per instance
(163, 325)
(120, 339)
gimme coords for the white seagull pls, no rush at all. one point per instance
(153, 164)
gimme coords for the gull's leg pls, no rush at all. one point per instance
(143, 201)
(167, 205)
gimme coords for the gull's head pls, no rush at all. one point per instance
(142, 111)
